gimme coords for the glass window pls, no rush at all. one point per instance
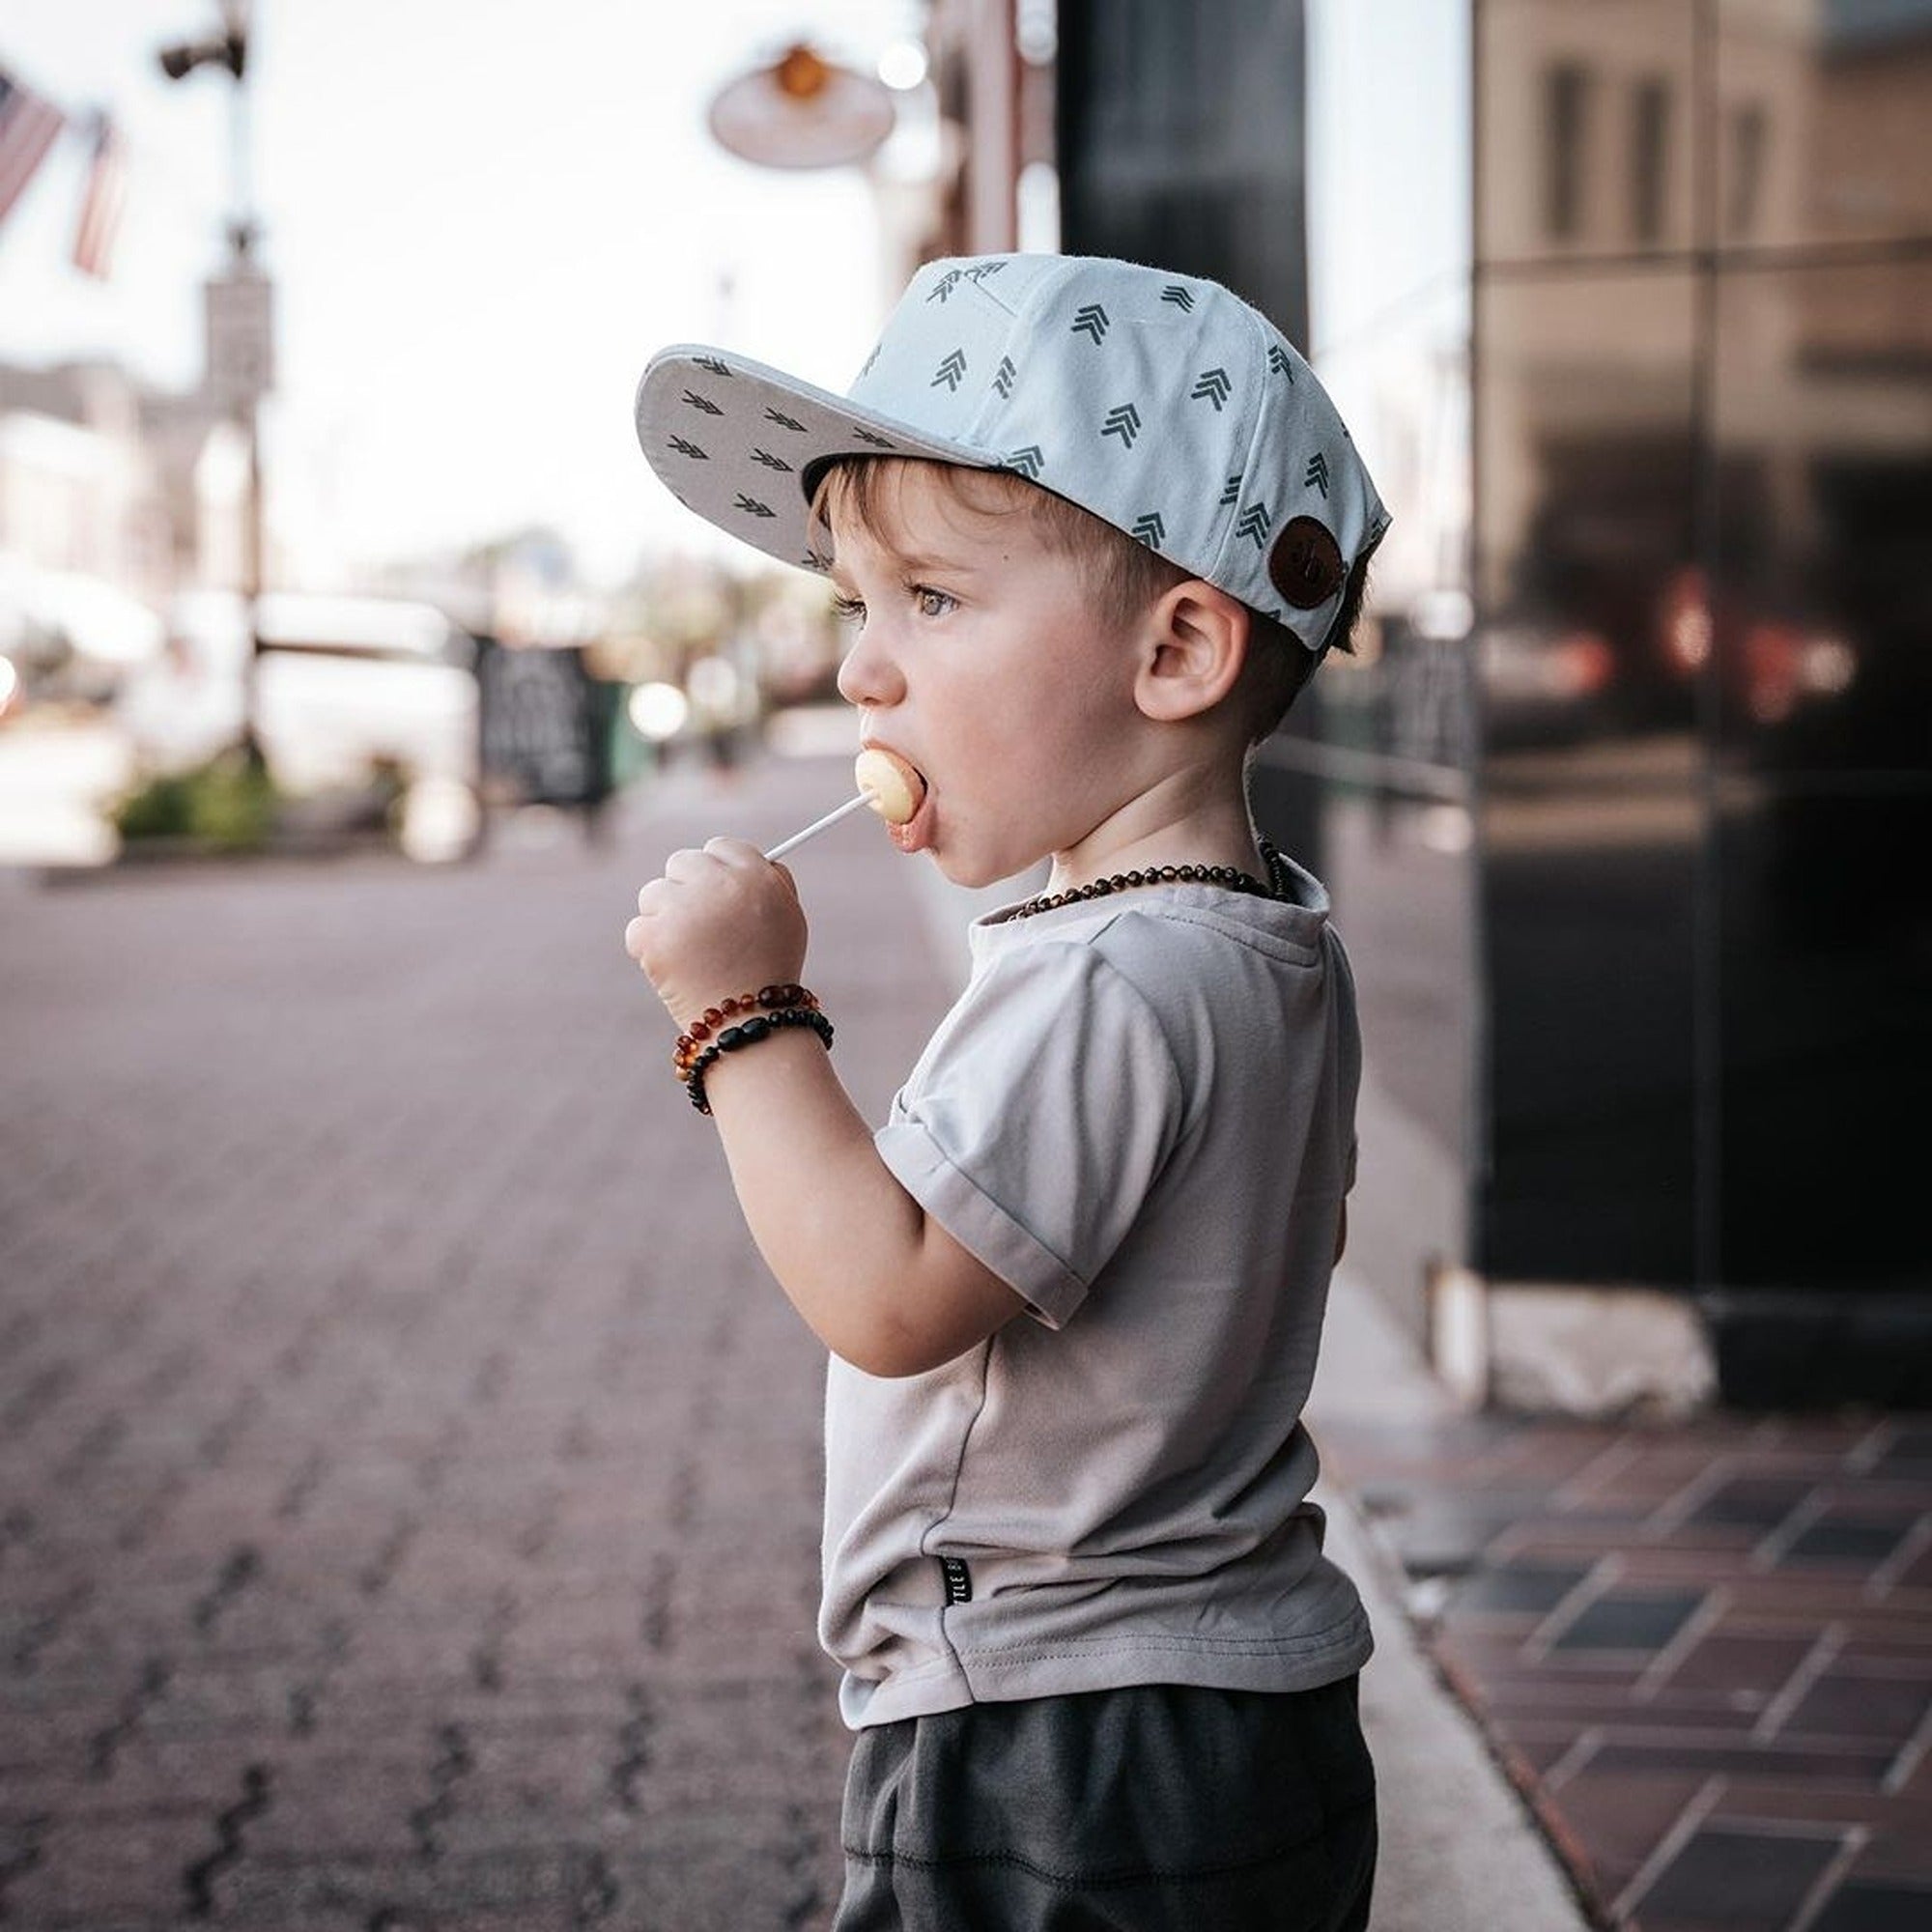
(1583, 148)
(1585, 504)
(1750, 125)
(1822, 394)
(1826, 1035)
(1650, 178)
(1590, 823)
(1566, 104)
(1824, 110)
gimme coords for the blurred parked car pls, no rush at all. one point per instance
(344, 685)
(66, 639)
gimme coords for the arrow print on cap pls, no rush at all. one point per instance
(1002, 376)
(1151, 530)
(785, 421)
(703, 403)
(1278, 361)
(770, 461)
(1318, 474)
(1124, 422)
(1180, 296)
(690, 449)
(1092, 322)
(1214, 385)
(867, 436)
(712, 363)
(1026, 460)
(1254, 523)
(1230, 491)
(949, 371)
(752, 507)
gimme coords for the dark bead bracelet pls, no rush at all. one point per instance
(748, 1033)
(691, 1043)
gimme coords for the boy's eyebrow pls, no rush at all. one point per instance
(908, 562)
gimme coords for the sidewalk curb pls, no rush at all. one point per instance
(1467, 1847)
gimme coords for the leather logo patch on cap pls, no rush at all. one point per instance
(1305, 563)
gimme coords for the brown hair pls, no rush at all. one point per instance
(1124, 575)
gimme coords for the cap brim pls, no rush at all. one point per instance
(741, 444)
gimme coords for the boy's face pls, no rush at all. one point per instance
(977, 659)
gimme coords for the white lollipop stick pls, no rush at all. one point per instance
(885, 782)
(819, 825)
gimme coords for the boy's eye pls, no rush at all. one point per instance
(932, 603)
(849, 610)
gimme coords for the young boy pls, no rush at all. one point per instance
(1095, 524)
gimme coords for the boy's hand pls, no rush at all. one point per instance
(720, 921)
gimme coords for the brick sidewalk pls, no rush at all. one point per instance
(409, 1480)
(1704, 1652)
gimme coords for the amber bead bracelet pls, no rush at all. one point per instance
(755, 1027)
(767, 999)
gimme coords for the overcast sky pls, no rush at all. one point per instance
(482, 216)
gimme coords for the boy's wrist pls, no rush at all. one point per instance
(706, 1023)
(722, 1031)
(764, 1031)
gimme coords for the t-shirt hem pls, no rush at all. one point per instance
(1065, 1669)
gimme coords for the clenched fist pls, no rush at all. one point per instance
(720, 921)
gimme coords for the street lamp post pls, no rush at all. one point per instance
(239, 323)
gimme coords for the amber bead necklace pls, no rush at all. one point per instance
(1278, 886)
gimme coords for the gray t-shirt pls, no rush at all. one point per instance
(1140, 1113)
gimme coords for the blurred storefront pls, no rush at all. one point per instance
(1625, 797)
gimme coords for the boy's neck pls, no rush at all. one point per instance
(1188, 818)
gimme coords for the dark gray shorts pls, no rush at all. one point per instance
(1160, 1808)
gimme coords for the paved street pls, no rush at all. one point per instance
(408, 1479)
(409, 1484)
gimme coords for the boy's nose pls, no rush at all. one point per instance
(869, 675)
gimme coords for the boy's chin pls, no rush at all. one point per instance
(963, 873)
(960, 871)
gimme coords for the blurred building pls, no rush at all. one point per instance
(114, 496)
(1626, 795)
(81, 487)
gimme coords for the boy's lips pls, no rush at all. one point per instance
(917, 832)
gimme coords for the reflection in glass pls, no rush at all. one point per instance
(1822, 389)
(1566, 91)
(1587, 499)
(1823, 104)
(1588, 646)
(1744, 186)
(1579, 152)
(1650, 182)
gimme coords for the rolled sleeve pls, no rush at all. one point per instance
(991, 1235)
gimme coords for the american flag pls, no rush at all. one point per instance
(102, 204)
(28, 126)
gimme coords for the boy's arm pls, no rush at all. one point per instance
(878, 1281)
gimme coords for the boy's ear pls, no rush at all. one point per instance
(1194, 645)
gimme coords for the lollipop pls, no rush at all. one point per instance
(891, 785)
(885, 782)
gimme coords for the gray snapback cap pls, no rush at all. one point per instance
(1160, 403)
